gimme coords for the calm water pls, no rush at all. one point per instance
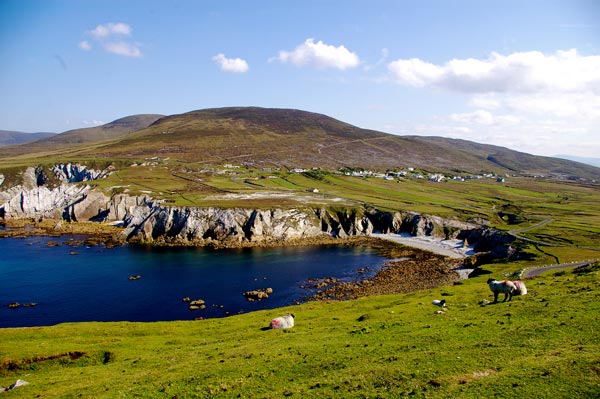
(93, 284)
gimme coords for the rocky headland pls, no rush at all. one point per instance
(64, 199)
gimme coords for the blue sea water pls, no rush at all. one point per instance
(79, 283)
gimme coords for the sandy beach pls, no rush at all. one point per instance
(451, 248)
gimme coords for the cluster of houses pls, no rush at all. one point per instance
(393, 175)
(411, 173)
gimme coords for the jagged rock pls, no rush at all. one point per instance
(149, 220)
(33, 198)
(73, 173)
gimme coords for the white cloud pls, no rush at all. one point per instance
(483, 117)
(584, 105)
(530, 101)
(123, 48)
(526, 72)
(319, 55)
(382, 59)
(110, 36)
(111, 29)
(232, 65)
(92, 122)
(485, 101)
(85, 45)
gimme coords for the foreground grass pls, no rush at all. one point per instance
(545, 344)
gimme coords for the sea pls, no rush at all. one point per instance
(60, 279)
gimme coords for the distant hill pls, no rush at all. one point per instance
(288, 138)
(10, 138)
(589, 161)
(72, 138)
(518, 162)
(112, 130)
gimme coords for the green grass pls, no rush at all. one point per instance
(545, 344)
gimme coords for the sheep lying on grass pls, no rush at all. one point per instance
(508, 288)
(437, 302)
(286, 321)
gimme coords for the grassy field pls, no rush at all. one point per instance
(542, 345)
(545, 344)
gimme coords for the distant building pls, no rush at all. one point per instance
(436, 177)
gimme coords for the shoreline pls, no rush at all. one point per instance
(450, 248)
(413, 264)
(111, 235)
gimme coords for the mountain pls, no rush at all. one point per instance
(589, 161)
(77, 137)
(518, 162)
(288, 138)
(10, 138)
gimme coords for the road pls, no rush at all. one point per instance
(536, 271)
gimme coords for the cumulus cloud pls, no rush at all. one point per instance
(92, 122)
(85, 45)
(525, 72)
(483, 117)
(123, 48)
(319, 55)
(113, 38)
(111, 29)
(544, 103)
(231, 65)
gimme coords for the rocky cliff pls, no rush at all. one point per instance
(145, 219)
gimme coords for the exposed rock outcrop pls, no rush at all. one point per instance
(33, 198)
(148, 220)
(73, 173)
(152, 222)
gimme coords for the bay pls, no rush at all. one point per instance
(73, 283)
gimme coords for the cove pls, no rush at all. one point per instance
(75, 283)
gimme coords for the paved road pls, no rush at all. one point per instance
(533, 272)
(515, 233)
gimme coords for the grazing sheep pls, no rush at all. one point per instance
(507, 287)
(286, 321)
(437, 302)
(521, 289)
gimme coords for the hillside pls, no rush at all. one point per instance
(286, 138)
(515, 161)
(77, 137)
(541, 345)
(11, 138)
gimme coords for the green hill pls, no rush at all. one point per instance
(78, 137)
(287, 138)
(11, 138)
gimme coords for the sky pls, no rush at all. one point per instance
(519, 74)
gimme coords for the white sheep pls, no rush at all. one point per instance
(286, 321)
(507, 287)
(437, 302)
(521, 289)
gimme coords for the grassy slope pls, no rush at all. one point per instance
(545, 344)
(283, 138)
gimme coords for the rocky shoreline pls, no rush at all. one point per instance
(409, 269)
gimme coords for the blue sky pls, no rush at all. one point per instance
(521, 74)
